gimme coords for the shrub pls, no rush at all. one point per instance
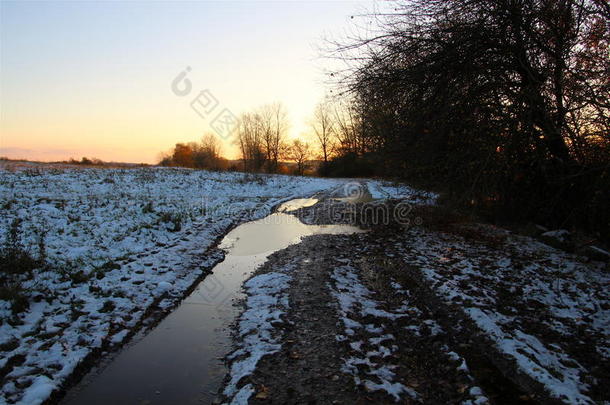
(173, 218)
(252, 178)
(148, 208)
(15, 262)
(14, 293)
(14, 258)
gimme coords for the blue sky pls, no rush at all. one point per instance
(92, 78)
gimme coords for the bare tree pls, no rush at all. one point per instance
(211, 145)
(300, 153)
(274, 123)
(348, 129)
(250, 141)
(323, 127)
(206, 153)
(260, 137)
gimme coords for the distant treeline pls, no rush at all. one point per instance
(261, 136)
(504, 105)
(84, 161)
(207, 154)
(199, 155)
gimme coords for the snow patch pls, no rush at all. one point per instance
(267, 301)
(354, 299)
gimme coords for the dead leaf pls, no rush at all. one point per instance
(263, 392)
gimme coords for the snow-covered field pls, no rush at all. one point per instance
(116, 241)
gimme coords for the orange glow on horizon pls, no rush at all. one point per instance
(72, 88)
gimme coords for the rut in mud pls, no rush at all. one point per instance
(384, 348)
(342, 330)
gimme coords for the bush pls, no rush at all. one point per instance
(148, 208)
(252, 178)
(349, 165)
(16, 261)
(14, 258)
(15, 294)
(173, 218)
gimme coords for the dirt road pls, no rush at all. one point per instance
(360, 318)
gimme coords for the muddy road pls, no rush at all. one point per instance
(348, 332)
(354, 296)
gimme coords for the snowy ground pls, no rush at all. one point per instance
(121, 241)
(266, 304)
(116, 241)
(353, 297)
(545, 312)
(527, 316)
(370, 324)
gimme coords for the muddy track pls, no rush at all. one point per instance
(432, 354)
(308, 368)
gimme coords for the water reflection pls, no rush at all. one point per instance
(180, 361)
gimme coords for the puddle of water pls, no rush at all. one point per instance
(277, 231)
(295, 204)
(180, 361)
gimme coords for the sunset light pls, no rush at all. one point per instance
(82, 78)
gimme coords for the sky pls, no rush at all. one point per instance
(101, 78)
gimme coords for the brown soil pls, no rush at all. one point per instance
(308, 367)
